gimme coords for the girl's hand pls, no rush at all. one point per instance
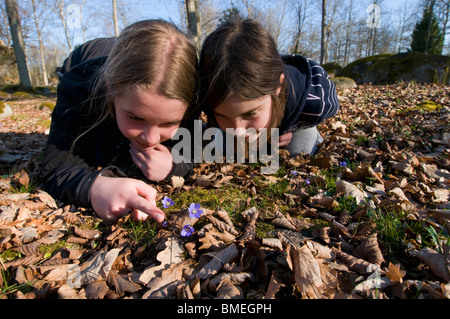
(285, 139)
(114, 197)
(156, 163)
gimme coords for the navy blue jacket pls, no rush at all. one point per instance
(312, 96)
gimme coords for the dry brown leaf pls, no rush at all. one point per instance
(282, 221)
(223, 214)
(219, 259)
(220, 225)
(172, 254)
(272, 242)
(184, 291)
(318, 250)
(121, 284)
(165, 284)
(227, 290)
(306, 271)
(209, 242)
(177, 181)
(369, 250)
(348, 189)
(394, 273)
(87, 233)
(96, 289)
(196, 288)
(438, 263)
(274, 286)
(359, 265)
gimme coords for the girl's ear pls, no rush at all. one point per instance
(281, 83)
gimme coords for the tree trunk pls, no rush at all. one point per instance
(63, 20)
(427, 40)
(193, 20)
(324, 31)
(116, 24)
(18, 45)
(41, 44)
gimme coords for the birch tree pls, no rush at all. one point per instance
(18, 43)
(37, 19)
(116, 23)
(62, 16)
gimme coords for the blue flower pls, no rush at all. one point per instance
(195, 211)
(294, 172)
(307, 182)
(165, 224)
(167, 202)
(343, 164)
(187, 231)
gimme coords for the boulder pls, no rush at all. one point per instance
(332, 68)
(411, 66)
(357, 69)
(345, 83)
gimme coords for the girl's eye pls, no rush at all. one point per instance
(170, 124)
(250, 115)
(134, 118)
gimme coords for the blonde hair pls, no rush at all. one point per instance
(148, 55)
(151, 55)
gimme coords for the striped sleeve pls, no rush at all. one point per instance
(322, 101)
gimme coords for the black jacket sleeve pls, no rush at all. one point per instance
(69, 168)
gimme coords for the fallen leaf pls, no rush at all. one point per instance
(306, 271)
(121, 283)
(369, 250)
(437, 262)
(227, 290)
(394, 273)
(217, 261)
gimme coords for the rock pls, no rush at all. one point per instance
(357, 69)
(411, 66)
(5, 110)
(332, 68)
(342, 82)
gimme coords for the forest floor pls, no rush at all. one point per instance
(367, 217)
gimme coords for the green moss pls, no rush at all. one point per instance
(263, 230)
(9, 255)
(2, 107)
(358, 68)
(332, 68)
(22, 95)
(229, 198)
(45, 123)
(4, 95)
(47, 105)
(343, 82)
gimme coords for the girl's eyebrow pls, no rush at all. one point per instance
(130, 113)
(246, 112)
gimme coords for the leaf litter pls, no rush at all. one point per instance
(383, 156)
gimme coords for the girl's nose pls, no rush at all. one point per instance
(151, 136)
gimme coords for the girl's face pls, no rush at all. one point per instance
(241, 114)
(148, 119)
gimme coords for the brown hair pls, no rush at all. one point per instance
(151, 54)
(240, 57)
